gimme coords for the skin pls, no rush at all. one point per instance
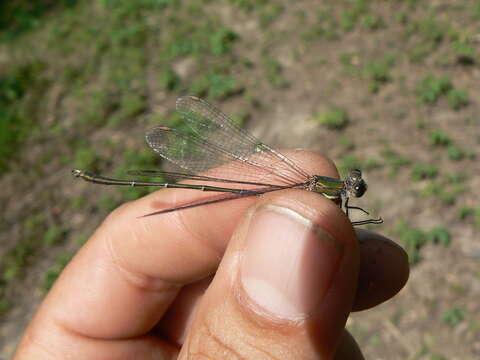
(170, 286)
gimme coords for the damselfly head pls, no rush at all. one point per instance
(354, 184)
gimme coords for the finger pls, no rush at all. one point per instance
(384, 270)
(348, 348)
(123, 280)
(285, 286)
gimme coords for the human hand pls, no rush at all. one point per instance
(275, 282)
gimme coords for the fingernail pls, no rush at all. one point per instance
(288, 263)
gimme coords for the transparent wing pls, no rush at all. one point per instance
(216, 140)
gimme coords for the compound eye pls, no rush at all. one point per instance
(360, 189)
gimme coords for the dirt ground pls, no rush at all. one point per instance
(388, 86)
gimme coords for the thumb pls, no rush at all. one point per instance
(285, 286)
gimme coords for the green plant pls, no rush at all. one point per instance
(424, 171)
(274, 72)
(465, 212)
(54, 271)
(269, 13)
(413, 239)
(373, 22)
(455, 153)
(439, 235)
(454, 316)
(394, 161)
(86, 157)
(169, 80)
(378, 73)
(348, 163)
(458, 98)
(17, 107)
(336, 119)
(439, 138)
(430, 88)
(215, 86)
(53, 235)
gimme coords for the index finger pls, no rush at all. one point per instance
(122, 281)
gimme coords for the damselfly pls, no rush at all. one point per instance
(254, 168)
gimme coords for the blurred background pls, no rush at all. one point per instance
(390, 87)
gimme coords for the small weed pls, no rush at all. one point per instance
(169, 80)
(107, 203)
(454, 316)
(355, 12)
(424, 171)
(77, 202)
(458, 98)
(464, 51)
(86, 157)
(428, 34)
(53, 235)
(465, 212)
(394, 161)
(5, 305)
(131, 105)
(215, 86)
(431, 88)
(348, 163)
(378, 73)
(54, 271)
(443, 190)
(81, 239)
(437, 357)
(335, 119)
(274, 73)
(455, 153)
(439, 138)
(221, 41)
(439, 235)
(269, 13)
(18, 107)
(373, 22)
(17, 18)
(326, 27)
(15, 260)
(476, 216)
(413, 239)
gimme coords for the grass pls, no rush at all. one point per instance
(430, 88)
(458, 99)
(215, 86)
(19, 17)
(454, 316)
(455, 153)
(18, 107)
(335, 119)
(439, 138)
(394, 161)
(36, 234)
(414, 239)
(447, 189)
(169, 79)
(426, 36)
(54, 271)
(378, 73)
(469, 212)
(424, 171)
(274, 72)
